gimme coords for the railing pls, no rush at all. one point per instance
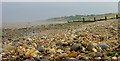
(95, 19)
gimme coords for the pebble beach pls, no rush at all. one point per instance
(75, 41)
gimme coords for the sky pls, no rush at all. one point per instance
(34, 11)
(60, 0)
(0, 16)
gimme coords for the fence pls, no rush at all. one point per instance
(95, 19)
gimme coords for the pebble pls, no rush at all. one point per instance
(60, 51)
(90, 46)
(94, 49)
(61, 56)
(73, 54)
(44, 60)
(98, 54)
(95, 54)
(114, 58)
(89, 41)
(64, 44)
(103, 46)
(106, 58)
(40, 49)
(76, 47)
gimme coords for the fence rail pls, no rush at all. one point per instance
(95, 19)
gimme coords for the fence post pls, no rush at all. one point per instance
(94, 19)
(105, 17)
(83, 19)
(116, 16)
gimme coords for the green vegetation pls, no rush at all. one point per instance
(80, 17)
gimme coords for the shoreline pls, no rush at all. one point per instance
(29, 24)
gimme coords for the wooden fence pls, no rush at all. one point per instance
(95, 19)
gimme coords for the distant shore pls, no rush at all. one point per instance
(29, 24)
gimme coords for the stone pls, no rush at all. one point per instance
(114, 58)
(97, 58)
(106, 58)
(84, 44)
(64, 44)
(41, 49)
(98, 54)
(28, 60)
(69, 59)
(90, 46)
(44, 60)
(0, 50)
(92, 54)
(61, 56)
(94, 49)
(76, 47)
(73, 54)
(103, 46)
(58, 43)
(16, 40)
(59, 51)
(29, 39)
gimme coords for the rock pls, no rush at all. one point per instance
(0, 50)
(114, 58)
(29, 39)
(76, 47)
(90, 46)
(94, 49)
(98, 54)
(84, 44)
(70, 43)
(52, 51)
(44, 60)
(30, 51)
(16, 40)
(28, 56)
(38, 58)
(95, 54)
(58, 43)
(103, 46)
(28, 60)
(69, 59)
(97, 58)
(64, 44)
(85, 58)
(106, 58)
(73, 54)
(61, 56)
(92, 54)
(41, 49)
(60, 51)
(35, 53)
(0, 57)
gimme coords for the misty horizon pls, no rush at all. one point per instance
(29, 12)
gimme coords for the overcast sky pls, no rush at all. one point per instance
(25, 12)
(60, 0)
